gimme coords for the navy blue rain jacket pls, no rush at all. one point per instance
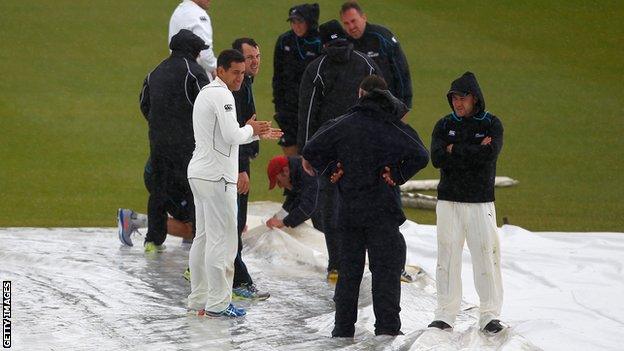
(368, 138)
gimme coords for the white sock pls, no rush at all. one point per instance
(140, 220)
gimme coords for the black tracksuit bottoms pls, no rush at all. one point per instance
(241, 275)
(329, 216)
(386, 254)
(169, 188)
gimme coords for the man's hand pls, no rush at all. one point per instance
(243, 183)
(274, 223)
(335, 177)
(449, 148)
(307, 167)
(272, 134)
(387, 176)
(259, 127)
(486, 141)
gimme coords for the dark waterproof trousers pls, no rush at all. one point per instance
(386, 254)
(241, 275)
(169, 192)
(329, 202)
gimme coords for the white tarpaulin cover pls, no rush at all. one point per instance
(79, 289)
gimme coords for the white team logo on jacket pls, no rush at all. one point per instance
(451, 133)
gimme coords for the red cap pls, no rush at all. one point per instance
(275, 167)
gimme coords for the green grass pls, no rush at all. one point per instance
(73, 141)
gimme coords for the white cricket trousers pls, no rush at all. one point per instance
(475, 223)
(214, 248)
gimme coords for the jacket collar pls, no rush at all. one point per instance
(219, 82)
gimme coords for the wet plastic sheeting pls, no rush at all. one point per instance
(79, 289)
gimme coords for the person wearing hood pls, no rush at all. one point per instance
(378, 152)
(192, 15)
(465, 146)
(166, 101)
(382, 46)
(329, 86)
(294, 50)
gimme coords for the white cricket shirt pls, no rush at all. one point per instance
(188, 15)
(217, 134)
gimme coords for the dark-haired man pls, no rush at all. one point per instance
(378, 152)
(465, 146)
(294, 50)
(382, 46)
(213, 175)
(244, 287)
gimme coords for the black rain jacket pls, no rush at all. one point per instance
(245, 109)
(169, 92)
(330, 85)
(291, 57)
(467, 174)
(368, 138)
(382, 46)
(302, 200)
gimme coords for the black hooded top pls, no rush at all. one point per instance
(368, 138)
(292, 55)
(382, 46)
(330, 85)
(169, 92)
(468, 172)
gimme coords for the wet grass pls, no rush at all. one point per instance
(74, 143)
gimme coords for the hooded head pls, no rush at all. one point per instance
(332, 33)
(464, 85)
(376, 99)
(308, 13)
(187, 43)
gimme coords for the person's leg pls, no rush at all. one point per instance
(451, 237)
(241, 275)
(482, 238)
(197, 254)
(179, 228)
(330, 227)
(221, 243)
(348, 285)
(181, 208)
(156, 204)
(386, 255)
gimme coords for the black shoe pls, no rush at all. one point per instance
(439, 324)
(494, 326)
(388, 332)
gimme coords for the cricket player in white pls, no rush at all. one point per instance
(213, 173)
(192, 15)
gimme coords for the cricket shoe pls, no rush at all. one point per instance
(332, 276)
(230, 311)
(439, 324)
(150, 247)
(493, 327)
(406, 277)
(249, 292)
(126, 226)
